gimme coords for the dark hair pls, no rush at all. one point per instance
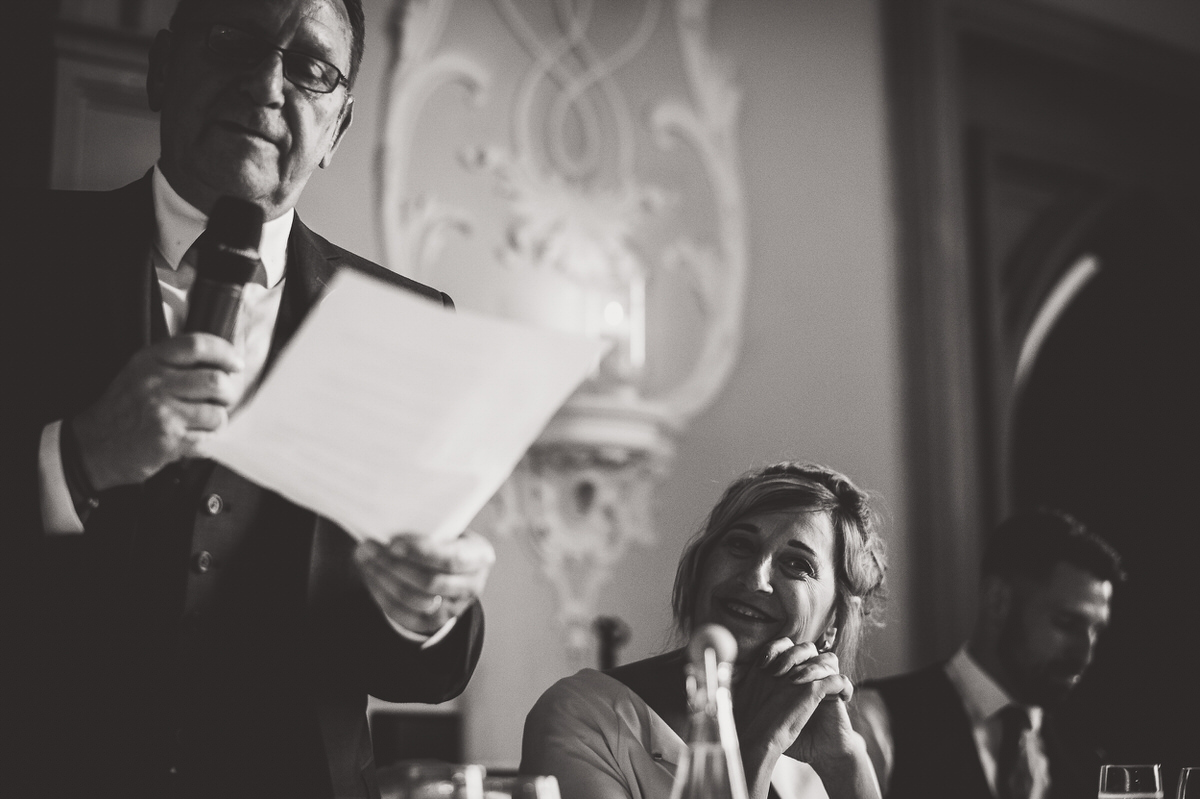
(187, 10)
(803, 488)
(1030, 543)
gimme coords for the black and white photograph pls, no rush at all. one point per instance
(601, 399)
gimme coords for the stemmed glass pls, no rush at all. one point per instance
(1131, 782)
(1189, 777)
(430, 779)
(521, 786)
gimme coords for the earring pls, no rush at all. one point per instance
(828, 639)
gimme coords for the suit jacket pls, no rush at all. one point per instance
(143, 674)
(934, 748)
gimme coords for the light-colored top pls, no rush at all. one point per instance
(601, 741)
(982, 699)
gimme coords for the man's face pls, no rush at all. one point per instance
(247, 131)
(1051, 631)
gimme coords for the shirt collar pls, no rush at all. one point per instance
(178, 224)
(982, 696)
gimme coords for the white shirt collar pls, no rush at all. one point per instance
(982, 696)
(178, 224)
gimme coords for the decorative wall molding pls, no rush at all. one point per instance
(587, 208)
(100, 97)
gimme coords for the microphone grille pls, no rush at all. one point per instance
(716, 637)
(236, 223)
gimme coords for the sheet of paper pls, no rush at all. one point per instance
(387, 413)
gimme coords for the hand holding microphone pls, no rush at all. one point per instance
(173, 393)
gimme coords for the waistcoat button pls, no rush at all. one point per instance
(213, 504)
(202, 562)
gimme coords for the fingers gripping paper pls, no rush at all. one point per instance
(388, 414)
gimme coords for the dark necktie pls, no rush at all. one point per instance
(1014, 777)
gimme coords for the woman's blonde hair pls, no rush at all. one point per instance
(803, 488)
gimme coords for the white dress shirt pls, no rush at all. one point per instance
(983, 699)
(177, 226)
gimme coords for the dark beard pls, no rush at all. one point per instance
(1032, 683)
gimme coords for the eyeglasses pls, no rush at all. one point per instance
(305, 71)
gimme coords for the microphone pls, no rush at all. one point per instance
(227, 260)
(712, 637)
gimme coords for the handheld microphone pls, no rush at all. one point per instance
(227, 261)
(716, 638)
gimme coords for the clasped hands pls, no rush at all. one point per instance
(791, 701)
(172, 395)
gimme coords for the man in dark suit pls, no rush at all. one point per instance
(178, 630)
(983, 724)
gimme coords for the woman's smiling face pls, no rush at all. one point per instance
(770, 575)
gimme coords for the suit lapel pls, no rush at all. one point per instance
(131, 261)
(308, 274)
(309, 271)
(110, 275)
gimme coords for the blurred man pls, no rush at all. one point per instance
(182, 631)
(983, 724)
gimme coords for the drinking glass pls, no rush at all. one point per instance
(521, 786)
(1131, 782)
(1189, 777)
(430, 779)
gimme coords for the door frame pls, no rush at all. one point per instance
(957, 474)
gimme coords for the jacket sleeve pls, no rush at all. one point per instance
(353, 642)
(403, 671)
